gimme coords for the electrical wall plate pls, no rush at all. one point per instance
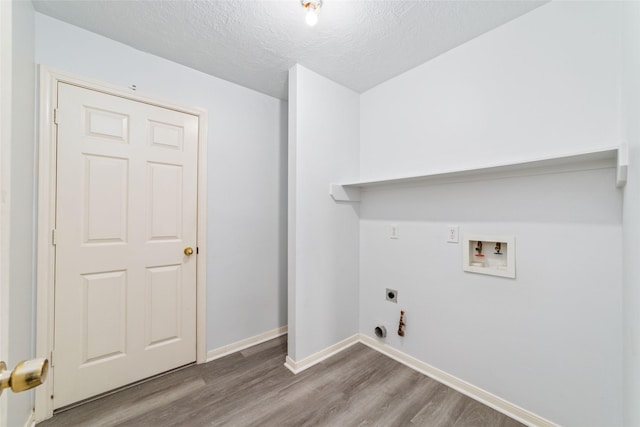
(452, 234)
(489, 254)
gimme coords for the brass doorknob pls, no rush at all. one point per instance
(188, 251)
(26, 375)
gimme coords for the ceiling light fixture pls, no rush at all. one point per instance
(312, 7)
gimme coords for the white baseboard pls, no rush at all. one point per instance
(299, 366)
(476, 393)
(225, 350)
(31, 421)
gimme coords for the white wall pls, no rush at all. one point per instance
(630, 14)
(323, 235)
(551, 335)
(246, 260)
(542, 84)
(550, 340)
(18, 201)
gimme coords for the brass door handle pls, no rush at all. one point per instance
(26, 375)
(188, 251)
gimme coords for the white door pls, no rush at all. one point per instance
(125, 292)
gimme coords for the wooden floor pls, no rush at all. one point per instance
(357, 387)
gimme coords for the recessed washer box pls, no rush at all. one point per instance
(489, 254)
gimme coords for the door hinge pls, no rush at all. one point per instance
(55, 115)
(54, 237)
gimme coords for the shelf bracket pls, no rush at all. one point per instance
(340, 193)
(622, 168)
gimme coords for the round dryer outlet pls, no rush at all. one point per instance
(392, 295)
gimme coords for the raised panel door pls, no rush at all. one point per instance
(125, 293)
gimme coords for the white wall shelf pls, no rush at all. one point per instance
(598, 159)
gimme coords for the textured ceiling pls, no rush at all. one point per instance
(357, 43)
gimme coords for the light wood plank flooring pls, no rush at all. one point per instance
(357, 387)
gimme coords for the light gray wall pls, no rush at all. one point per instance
(542, 85)
(545, 83)
(323, 235)
(22, 214)
(630, 14)
(246, 259)
(551, 335)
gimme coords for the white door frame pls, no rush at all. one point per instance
(5, 187)
(49, 79)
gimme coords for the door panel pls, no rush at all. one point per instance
(125, 293)
(105, 201)
(106, 124)
(104, 310)
(164, 291)
(165, 201)
(165, 135)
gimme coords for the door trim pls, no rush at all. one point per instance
(6, 23)
(48, 81)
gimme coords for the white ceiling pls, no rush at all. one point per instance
(357, 43)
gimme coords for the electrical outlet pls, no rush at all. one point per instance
(394, 231)
(452, 234)
(392, 295)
